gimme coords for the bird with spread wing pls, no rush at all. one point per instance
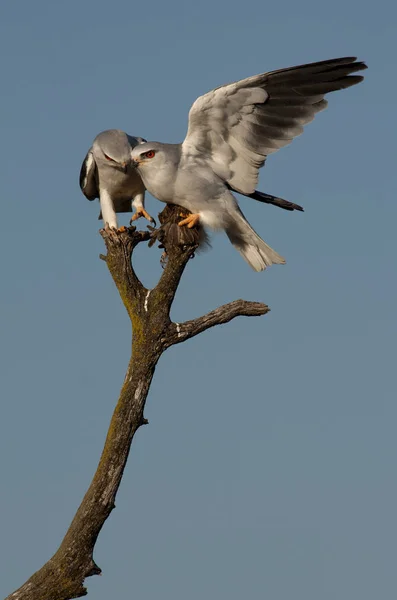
(231, 131)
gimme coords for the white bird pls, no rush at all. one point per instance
(231, 131)
(107, 173)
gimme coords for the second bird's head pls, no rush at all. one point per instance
(113, 148)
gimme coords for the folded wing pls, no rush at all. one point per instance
(238, 125)
(89, 177)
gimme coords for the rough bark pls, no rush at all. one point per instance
(62, 577)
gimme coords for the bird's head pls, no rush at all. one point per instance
(148, 156)
(113, 148)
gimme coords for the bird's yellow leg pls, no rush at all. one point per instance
(141, 212)
(190, 221)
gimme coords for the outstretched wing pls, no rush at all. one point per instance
(238, 125)
(89, 177)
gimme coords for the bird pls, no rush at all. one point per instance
(107, 173)
(231, 131)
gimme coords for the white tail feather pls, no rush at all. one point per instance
(251, 247)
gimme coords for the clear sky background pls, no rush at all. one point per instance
(268, 469)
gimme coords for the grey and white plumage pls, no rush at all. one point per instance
(231, 131)
(107, 173)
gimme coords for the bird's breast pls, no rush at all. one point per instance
(160, 183)
(120, 184)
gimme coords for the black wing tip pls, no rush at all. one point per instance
(350, 59)
(286, 205)
(342, 60)
(275, 201)
(345, 62)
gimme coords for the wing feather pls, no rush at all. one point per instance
(239, 124)
(89, 177)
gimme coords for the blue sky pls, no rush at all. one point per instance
(268, 467)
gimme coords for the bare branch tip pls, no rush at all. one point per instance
(124, 234)
(93, 569)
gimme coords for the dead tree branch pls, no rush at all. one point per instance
(62, 577)
(179, 332)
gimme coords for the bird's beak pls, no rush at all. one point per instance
(124, 167)
(135, 163)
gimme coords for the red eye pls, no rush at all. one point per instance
(108, 157)
(150, 154)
